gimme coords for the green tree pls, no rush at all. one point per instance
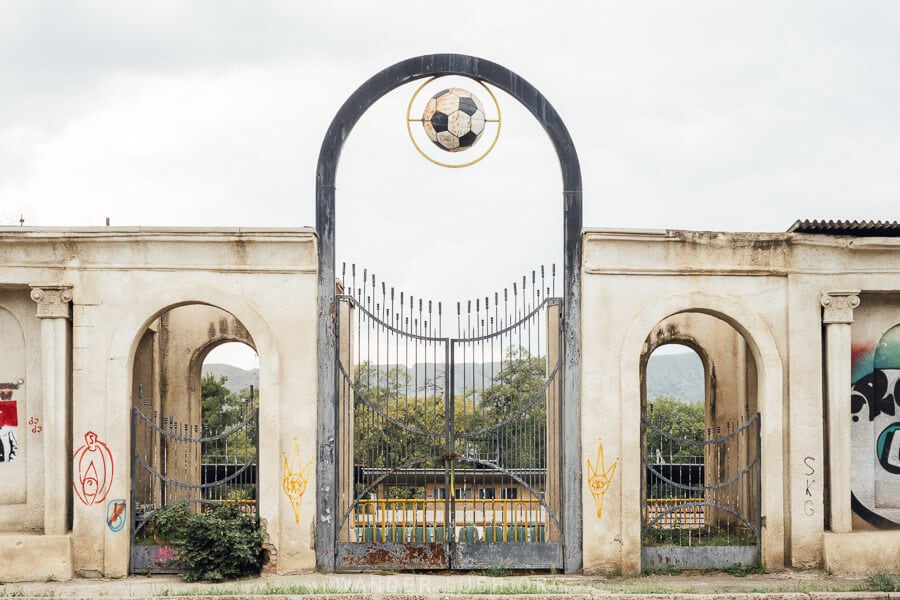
(520, 440)
(681, 420)
(223, 409)
(219, 405)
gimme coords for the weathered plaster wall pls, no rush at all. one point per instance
(769, 288)
(632, 281)
(821, 264)
(21, 414)
(122, 280)
(766, 290)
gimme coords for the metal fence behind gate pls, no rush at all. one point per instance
(179, 463)
(701, 496)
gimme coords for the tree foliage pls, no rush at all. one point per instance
(392, 428)
(517, 400)
(221, 410)
(681, 420)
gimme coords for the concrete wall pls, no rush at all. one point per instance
(769, 288)
(83, 311)
(736, 279)
(121, 281)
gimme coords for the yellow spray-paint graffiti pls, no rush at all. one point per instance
(599, 477)
(295, 479)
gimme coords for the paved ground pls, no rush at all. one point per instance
(802, 585)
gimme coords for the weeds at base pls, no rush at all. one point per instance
(879, 581)
(515, 589)
(266, 590)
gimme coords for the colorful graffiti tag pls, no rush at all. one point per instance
(295, 479)
(875, 416)
(600, 477)
(93, 469)
(9, 421)
(115, 515)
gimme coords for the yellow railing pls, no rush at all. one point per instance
(687, 517)
(426, 519)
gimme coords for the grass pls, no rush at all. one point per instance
(879, 581)
(659, 536)
(743, 570)
(655, 588)
(18, 592)
(496, 571)
(266, 590)
(518, 588)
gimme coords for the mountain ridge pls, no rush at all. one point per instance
(676, 375)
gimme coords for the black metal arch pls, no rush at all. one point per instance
(347, 116)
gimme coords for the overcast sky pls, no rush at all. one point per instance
(713, 115)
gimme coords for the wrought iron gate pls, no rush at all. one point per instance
(180, 463)
(448, 452)
(701, 496)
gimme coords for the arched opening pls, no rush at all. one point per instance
(700, 445)
(564, 375)
(194, 435)
(229, 400)
(675, 400)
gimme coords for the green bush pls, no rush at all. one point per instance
(218, 544)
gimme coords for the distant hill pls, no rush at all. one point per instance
(677, 375)
(238, 378)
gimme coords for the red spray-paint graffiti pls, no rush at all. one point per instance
(9, 419)
(9, 416)
(94, 469)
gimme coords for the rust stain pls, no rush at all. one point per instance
(421, 555)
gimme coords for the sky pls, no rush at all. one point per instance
(708, 115)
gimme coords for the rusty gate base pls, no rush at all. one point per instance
(415, 556)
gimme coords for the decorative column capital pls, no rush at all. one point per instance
(839, 305)
(53, 301)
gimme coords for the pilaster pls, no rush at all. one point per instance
(54, 310)
(837, 315)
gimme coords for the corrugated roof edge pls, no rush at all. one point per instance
(852, 228)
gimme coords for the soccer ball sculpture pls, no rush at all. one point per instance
(454, 119)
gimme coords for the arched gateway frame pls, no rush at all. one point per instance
(352, 110)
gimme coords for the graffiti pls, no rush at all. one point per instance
(875, 430)
(35, 423)
(162, 555)
(809, 507)
(9, 421)
(600, 477)
(93, 469)
(295, 479)
(888, 449)
(8, 444)
(879, 391)
(115, 515)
